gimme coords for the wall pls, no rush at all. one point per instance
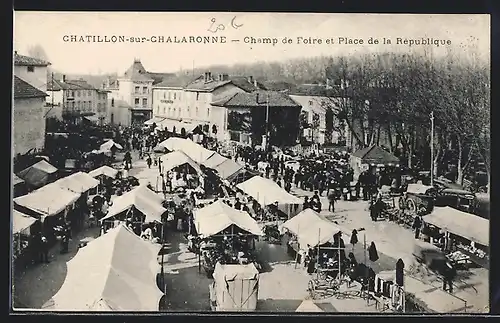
(167, 103)
(219, 115)
(148, 95)
(28, 124)
(58, 97)
(37, 78)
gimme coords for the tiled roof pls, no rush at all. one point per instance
(242, 82)
(279, 86)
(57, 85)
(160, 77)
(174, 82)
(137, 72)
(21, 60)
(258, 99)
(200, 85)
(376, 155)
(24, 90)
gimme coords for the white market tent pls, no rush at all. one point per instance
(17, 180)
(115, 272)
(104, 171)
(143, 199)
(153, 120)
(229, 169)
(48, 200)
(308, 306)
(110, 144)
(196, 152)
(37, 174)
(21, 221)
(177, 158)
(466, 225)
(218, 216)
(215, 160)
(266, 192)
(311, 228)
(78, 182)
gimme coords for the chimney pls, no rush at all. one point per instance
(225, 77)
(63, 78)
(250, 79)
(255, 84)
(208, 77)
(221, 77)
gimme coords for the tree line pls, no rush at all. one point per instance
(391, 96)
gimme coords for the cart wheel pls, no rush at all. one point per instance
(401, 203)
(411, 205)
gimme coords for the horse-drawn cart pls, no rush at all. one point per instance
(417, 197)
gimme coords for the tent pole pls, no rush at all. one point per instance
(317, 255)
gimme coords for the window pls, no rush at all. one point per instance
(112, 102)
(175, 95)
(31, 69)
(208, 112)
(165, 95)
(180, 95)
(169, 95)
(89, 93)
(197, 96)
(164, 110)
(188, 112)
(78, 93)
(144, 102)
(144, 90)
(72, 94)
(137, 101)
(137, 90)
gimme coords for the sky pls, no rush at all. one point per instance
(50, 29)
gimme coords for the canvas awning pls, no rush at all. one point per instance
(466, 225)
(311, 228)
(418, 188)
(94, 119)
(78, 182)
(17, 180)
(104, 170)
(153, 120)
(48, 200)
(169, 125)
(177, 158)
(116, 272)
(266, 192)
(216, 217)
(215, 160)
(228, 169)
(109, 145)
(37, 174)
(308, 306)
(143, 199)
(21, 221)
(196, 152)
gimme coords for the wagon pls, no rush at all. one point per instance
(417, 197)
(428, 254)
(235, 288)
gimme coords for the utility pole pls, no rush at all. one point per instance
(432, 148)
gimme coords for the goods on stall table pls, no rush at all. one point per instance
(458, 257)
(477, 252)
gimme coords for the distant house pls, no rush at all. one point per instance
(75, 99)
(29, 117)
(31, 70)
(370, 158)
(131, 95)
(249, 116)
(314, 110)
(176, 103)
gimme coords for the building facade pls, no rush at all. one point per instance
(31, 70)
(131, 96)
(73, 99)
(28, 118)
(192, 103)
(321, 127)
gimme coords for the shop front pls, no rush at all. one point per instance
(140, 116)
